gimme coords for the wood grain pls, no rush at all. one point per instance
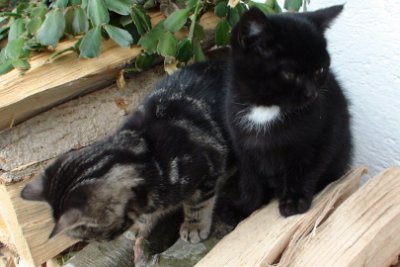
(363, 231)
(260, 239)
(29, 224)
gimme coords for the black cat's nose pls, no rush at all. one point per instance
(310, 91)
(311, 94)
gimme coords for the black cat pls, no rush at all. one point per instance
(286, 113)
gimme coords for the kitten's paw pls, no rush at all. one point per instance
(194, 232)
(290, 206)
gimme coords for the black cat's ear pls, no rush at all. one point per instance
(34, 190)
(68, 219)
(323, 18)
(249, 29)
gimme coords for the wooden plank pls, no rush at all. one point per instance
(71, 125)
(260, 239)
(46, 85)
(363, 231)
(29, 224)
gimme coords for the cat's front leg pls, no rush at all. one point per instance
(251, 189)
(141, 228)
(296, 197)
(198, 213)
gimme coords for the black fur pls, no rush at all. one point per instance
(276, 62)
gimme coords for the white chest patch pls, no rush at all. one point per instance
(263, 114)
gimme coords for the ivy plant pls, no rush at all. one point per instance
(34, 26)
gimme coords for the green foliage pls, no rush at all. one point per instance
(52, 28)
(293, 4)
(35, 26)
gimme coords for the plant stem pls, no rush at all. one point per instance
(9, 14)
(194, 20)
(59, 52)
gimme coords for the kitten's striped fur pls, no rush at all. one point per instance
(170, 153)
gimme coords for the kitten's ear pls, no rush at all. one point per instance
(248, 30)
(68, 219)
(323, 18)
(34, 190)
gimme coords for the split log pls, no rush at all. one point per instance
(71, 125)
(46, 85)
(29, 224)
(260, 239)
(363, 231)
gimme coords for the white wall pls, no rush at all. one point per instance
(364, 44)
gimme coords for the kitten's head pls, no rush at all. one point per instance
(281, 59)
(94, 192)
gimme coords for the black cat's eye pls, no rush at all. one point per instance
(288, 75)
(320, 71)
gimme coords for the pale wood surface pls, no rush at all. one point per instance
(72, 125)
(29, 224)
(46, 85)
(363, 231)
(260, 239)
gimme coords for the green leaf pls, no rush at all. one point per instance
(76, 2)
(21, 64)
(60, 3)
(198, 52)
(69, 17)
(125, 20)
(52, 28)
(17, 29)
(167, 44)
(84, 4)
(293, 5)
(121, 7)
(15, 49)
(222, 33)
(149, 41)
(184, 50)
(233, 16)
(39, 12)
(221, 9)
(120, 36)
(241, 7)
(33, 25)
(21, 7)
(144, 18)
(98, 12)
(90, 44)
(80, 21)
(138, 22)
(176, 20)
(5, 67)
(198, 32)
(144, 61)
(191, 4)
(141, 21)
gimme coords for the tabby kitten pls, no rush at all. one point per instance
(286, 113)
(170, 153)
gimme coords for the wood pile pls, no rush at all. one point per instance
(346, 227)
